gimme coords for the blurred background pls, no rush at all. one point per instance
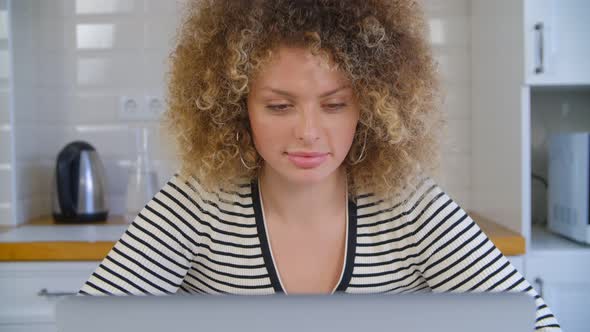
(75, 64)
(517, 97)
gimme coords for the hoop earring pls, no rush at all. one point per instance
(240, 153)
(361, 157)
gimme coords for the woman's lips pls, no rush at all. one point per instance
(307, 160)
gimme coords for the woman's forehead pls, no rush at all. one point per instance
(321, 94)
(286, 54)
(291, 67)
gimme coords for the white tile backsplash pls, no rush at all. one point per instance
(108, 141)
(84, 8)
(97, 36)
(454, 64)
(81, 108)
(32, 207)
(5, 119)
(446, 8)
(155, 68)
(457, 101)
(87, 7)
(89, 53)
(5, 185)
(35, 183)
(458, 137)
(119, 70)
(6, 213)
(3, 22)
(28, 137)
(4, 65)
(448, 31)
(54, 70)
(54, 34)
(54, 9)
(449, 22)
(159, 33)
(462, 197)
(122, 35)
(5, 145)
(170, 8)
(456, 169)
(4, 106)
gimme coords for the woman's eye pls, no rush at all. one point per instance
(285, 107)
(335, 107)
(279, 107)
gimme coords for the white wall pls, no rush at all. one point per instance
(74, 59)
(5, 124)
(450, 26)
(25, 164)
(89, 53)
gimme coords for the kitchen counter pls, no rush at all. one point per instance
(508, 242)
(43, 240)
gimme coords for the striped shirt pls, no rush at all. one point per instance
(188, 240)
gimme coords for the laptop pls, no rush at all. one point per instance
(483, 312)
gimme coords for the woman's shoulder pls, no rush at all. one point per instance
(190, 191)
(237, 187)
(417, 198)
(428, 205)
(414, 190)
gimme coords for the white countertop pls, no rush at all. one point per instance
(64, 233)
(544, 240)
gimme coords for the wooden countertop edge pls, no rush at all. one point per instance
(54, 251)
(508, 242)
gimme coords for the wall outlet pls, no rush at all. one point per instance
(155, 106)
(140, 108)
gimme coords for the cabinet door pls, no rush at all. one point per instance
(556, 36)
(30, 290)
(563, 278)
(28, 328)
(43, 279)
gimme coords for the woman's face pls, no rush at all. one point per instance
(303, 116)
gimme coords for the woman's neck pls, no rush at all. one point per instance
(294, 203)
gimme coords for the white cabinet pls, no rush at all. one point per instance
(557, 46)
(501, 105)
(560, 271)
(29, 291)
(506, 94)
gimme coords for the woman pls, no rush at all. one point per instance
(306, 131)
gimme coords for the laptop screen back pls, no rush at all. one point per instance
(413, 312)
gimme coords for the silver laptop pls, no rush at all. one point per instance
(481, 312)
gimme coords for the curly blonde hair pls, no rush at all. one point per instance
(380, 45)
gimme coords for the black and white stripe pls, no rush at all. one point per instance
(188, 240)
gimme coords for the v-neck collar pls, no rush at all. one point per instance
(266, 249)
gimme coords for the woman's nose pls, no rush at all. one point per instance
(307, 126)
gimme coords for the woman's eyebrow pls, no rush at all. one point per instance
(288, 94)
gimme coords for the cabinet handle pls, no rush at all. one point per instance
(539, 283)
(46, 293)
(539, 69)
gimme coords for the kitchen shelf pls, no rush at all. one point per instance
(545, 240)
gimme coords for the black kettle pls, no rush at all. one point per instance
(78, 193)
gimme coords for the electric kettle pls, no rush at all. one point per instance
(78, 193)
